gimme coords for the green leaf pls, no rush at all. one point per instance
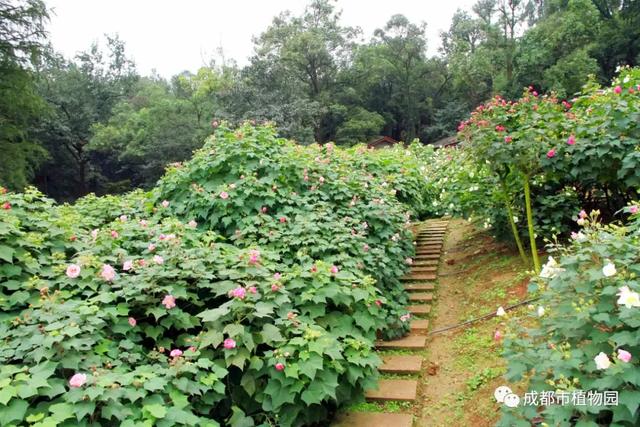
(211, 338)
(234, 329)
(7, 393)
(84, 409)
(6, 253)
(311, 366)
(239, 419)
(248, 382)
(62, 411)
(314, 393)
(631, 399)
(156, 410)
(155, 383)
(180, 400)
(15, 411)
(271, 334)
(214, 314)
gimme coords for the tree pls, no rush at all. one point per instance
(471, 59)
(556, 53)
(22, 35)
(80, 94)
(293, 73)
(395, 79)
(159, 124)
(618, 41)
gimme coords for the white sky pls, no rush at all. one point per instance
(176, 35)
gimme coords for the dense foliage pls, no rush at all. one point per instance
(91, 123)
(572, 154)
(246, 289)
(583, 333)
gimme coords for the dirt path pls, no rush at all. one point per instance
(463, 366)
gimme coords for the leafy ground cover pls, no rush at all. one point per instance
(246, 289)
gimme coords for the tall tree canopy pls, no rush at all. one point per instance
(22, 35)
(91, 123)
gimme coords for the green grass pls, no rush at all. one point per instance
(483, 377)
(387, 376)
(471, 346)
(392, 406)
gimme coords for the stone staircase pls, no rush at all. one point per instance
(420, 283)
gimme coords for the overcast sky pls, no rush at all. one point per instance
(175, 35)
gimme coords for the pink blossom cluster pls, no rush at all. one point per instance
(254, 256)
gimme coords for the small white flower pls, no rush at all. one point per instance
(581, 221)
(515, 219)
(609, 269)
(540, 311)
(579, 237)
(628, 298)
(602, 361)
(500, 312)
(626, 79)
(550, 269)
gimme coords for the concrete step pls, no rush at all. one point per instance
(420, 297)
(419, 277)
(424, 269)
(373, 419)
(419, 325)
(419, 287)
(403, 390)
(419, 309)
(428, 262)
(423, 257)
(429, 250)
(401, 364)
(410, 342)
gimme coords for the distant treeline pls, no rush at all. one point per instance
(92, 123)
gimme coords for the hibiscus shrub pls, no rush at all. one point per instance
(248, 288)
(586, 334)
(307, 203)
(564, 154)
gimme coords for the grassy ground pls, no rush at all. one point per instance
(477, 276)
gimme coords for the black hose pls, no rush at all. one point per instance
(486, 316)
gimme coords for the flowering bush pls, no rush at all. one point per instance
(307, 203)
(586, 329)
(248, 288)
(598, 150)
(559, 154)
